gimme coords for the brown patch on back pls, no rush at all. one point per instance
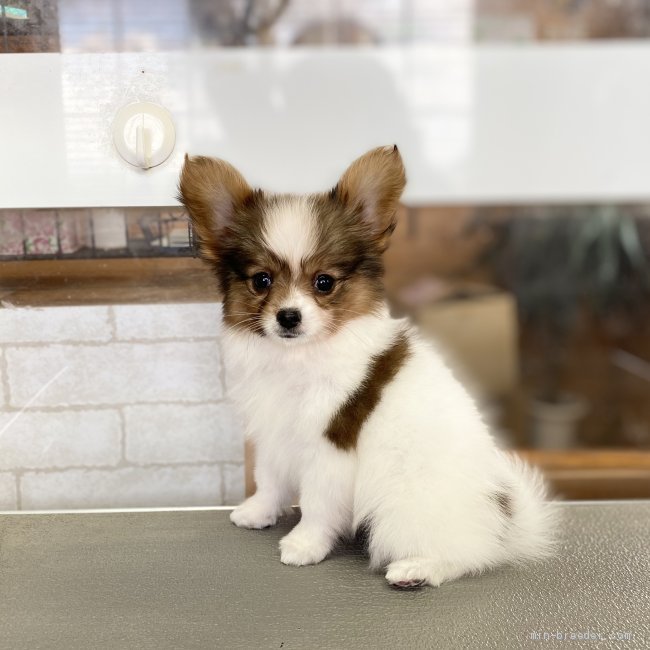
(344, 427)
(504, 502)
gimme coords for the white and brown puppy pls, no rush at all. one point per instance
(350, 410)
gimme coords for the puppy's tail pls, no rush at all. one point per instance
(533, 530)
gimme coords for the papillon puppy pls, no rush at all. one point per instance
(351, 411)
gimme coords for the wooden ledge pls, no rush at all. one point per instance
(594, 474)
(594, 459)
(42, 283)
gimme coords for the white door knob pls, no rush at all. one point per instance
(144, 134)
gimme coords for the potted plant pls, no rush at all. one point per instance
(564, 266)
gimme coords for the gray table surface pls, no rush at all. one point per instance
(190, 579)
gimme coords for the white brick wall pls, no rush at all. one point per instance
(167, 433)
(233, 483)
(121, 488)
(76, 324)
(8, 498)
(167, 321)
(59, 439)
(115, 406)
(3, 379)
(115, 373)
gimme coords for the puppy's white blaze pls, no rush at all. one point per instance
(290, 229)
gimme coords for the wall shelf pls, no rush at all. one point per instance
(43, 283)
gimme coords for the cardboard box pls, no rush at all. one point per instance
(475, 326)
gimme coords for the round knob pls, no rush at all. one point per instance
(144, 134)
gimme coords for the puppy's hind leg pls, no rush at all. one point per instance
(414, 572)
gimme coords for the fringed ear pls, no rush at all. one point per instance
(211, 189)
(373, 184)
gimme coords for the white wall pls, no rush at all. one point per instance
(476, 124)
(115, 407)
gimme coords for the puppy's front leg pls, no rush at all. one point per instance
(272, 496)
(326, 494)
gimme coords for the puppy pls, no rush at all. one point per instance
(350, 410)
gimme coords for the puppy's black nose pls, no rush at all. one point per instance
(288, 318)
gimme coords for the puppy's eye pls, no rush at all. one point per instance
(262, 281)
(324, 283)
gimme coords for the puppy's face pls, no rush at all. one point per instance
(295, 268)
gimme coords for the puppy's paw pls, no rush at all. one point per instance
(301, 547)
(415, 572)
(254, 513)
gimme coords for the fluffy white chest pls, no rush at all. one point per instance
(289, 394)
(286, 404)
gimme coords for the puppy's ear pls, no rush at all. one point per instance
(211, 189)
(373, 185)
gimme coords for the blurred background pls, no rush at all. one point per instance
(523, 244)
